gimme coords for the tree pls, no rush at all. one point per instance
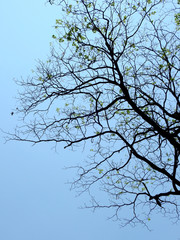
(112, 83)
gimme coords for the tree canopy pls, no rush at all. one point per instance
(112, 83)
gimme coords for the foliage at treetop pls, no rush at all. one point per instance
(112, 83)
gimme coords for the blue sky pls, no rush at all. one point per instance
(35, 202)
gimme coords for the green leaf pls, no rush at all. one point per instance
(89, 5)
(160, 66)
(120, 193)
(153, 13)
(100, 170)
(59, 21)
(128, 111)
(49, 76)
(177, 20)
(61, 40)
(124, 19)
(57, 110)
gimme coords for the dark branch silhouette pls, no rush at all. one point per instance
(113, 82)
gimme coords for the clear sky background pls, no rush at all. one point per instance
(35, 202)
